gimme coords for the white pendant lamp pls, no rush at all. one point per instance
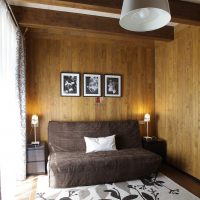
(144, 15)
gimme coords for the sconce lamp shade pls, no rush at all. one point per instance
(147, 117)
(144, 15)
(34, 121)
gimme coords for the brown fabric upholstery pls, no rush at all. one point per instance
(69, 165)
(69, 136)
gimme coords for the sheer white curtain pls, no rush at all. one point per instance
(12, 140)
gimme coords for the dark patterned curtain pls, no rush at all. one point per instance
(21, 90)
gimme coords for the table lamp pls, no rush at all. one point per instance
(35, 124)
(147, 120)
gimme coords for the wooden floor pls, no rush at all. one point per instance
(26, 190)
(182, 179)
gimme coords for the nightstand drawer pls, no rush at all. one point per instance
(35, 155)
(36, 167)
(36, 159)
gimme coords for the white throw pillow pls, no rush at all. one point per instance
(100, 144)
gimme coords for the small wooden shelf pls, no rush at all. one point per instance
(157, 146)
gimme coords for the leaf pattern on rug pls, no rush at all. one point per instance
(123, 186)
(114, 193)
(147, 188)
(130, 197)
(84, 193)
(147, 196)
(152, 181)
(40, 196)
(143, 191)
(100, 190)
(150, 193)
(54, 196)
(65, 198)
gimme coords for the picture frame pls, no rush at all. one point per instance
(91, 85)
(113, 84)
(69, 84)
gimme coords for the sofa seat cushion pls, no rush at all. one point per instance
(75, 162)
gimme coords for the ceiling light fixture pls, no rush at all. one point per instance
(144, 15)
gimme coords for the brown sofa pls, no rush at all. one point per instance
(69, 165)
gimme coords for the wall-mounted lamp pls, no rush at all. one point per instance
(147, 120)
(35, 124)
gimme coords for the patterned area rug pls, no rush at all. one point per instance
(149, 188)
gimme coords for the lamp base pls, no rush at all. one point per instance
(147, 138)
(35, 143)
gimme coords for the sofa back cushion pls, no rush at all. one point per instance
(69, 136)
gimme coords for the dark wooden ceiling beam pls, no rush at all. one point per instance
(39, 18)
(182, 12)
(110, 6)
(185, 12)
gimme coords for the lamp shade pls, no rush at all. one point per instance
(34, 120)
(144, 15)
(147, 117)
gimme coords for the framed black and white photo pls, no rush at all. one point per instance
(92, 85)
(112, 86)
(70, 84)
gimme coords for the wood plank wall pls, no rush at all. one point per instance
(177, 98)
(49, 54)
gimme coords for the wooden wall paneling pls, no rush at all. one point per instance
(177, 106)
(184, 49)
(132, 90)
(196, 101)
(65, 60)
(150, 86)
(50, 55)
